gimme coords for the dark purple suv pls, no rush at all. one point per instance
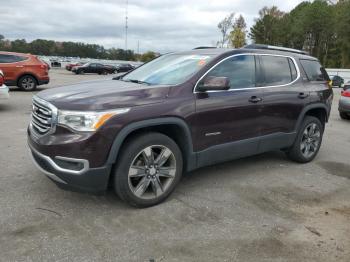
(179, 112)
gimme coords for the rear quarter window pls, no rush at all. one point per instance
(314, 70)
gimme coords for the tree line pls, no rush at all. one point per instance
(71, 49)
(319, 27)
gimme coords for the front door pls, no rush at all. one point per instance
(228, 122)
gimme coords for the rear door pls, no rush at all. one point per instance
(284, 94)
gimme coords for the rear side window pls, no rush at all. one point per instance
(240, 70)
(278, 70)
(314, 71)
(11, 58)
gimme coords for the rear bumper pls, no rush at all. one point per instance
(4, 92)
(43, 81)
(72, 174)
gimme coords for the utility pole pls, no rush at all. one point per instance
(126, 25)
(138, 47)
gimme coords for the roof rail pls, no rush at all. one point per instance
(204, 47)
(279, 48)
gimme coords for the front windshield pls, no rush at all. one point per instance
(169, 69)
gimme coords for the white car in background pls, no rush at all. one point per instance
(4, 90)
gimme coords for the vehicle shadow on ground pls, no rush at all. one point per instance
(197, 179)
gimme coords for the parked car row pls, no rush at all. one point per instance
(23, 70)
(98, 68)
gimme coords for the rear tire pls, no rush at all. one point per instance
(148, 169)
(308, 141)
(344, 115)
(27, 83)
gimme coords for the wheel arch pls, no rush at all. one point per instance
(318, 110)
(174, 127)
(27, 74)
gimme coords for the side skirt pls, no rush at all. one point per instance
(238, 149)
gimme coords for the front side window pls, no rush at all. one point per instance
(277, 70)
(240, 70)
(314, 70)
(169, 69)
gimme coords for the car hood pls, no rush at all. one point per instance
(103, 95)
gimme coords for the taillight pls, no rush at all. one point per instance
(2, 80)
(345, 93)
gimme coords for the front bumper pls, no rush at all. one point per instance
(72, 174)
(4, 92)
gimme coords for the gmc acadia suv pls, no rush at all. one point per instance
(179, 112)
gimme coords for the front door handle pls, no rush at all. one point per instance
(255, 99)
(303, 95)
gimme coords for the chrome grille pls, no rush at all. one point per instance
(43, 116)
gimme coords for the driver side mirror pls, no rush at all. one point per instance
(214, 83)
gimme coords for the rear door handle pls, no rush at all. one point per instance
(19, 66)
(255, 99)
(303, 95)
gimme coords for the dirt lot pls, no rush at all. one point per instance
(262, 208)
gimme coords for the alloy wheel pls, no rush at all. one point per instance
(310, 140)
(152, 172)
(27, 83)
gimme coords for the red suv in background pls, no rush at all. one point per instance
(23, 70)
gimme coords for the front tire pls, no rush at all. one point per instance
(27, 83)
(148, 169)
(308, 141)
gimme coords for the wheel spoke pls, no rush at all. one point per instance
(163, 157)
(157, 187)
(136, 171)
(167, 172)
(148, 155)
(142, 187)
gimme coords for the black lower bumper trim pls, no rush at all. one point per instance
(94, 180)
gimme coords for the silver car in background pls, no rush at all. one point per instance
(4, 90)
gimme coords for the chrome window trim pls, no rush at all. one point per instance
(248, 88)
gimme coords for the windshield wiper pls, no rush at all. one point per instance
(137, 81)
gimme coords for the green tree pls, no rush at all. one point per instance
(237, 37)
(265, 29)
(224, 27)
(148, 56)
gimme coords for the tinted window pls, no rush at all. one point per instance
(277, 70)
(11, 58)
(240, 70)
(314, 71)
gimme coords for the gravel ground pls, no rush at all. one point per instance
(261, 208)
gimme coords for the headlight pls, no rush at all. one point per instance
(87, 121)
